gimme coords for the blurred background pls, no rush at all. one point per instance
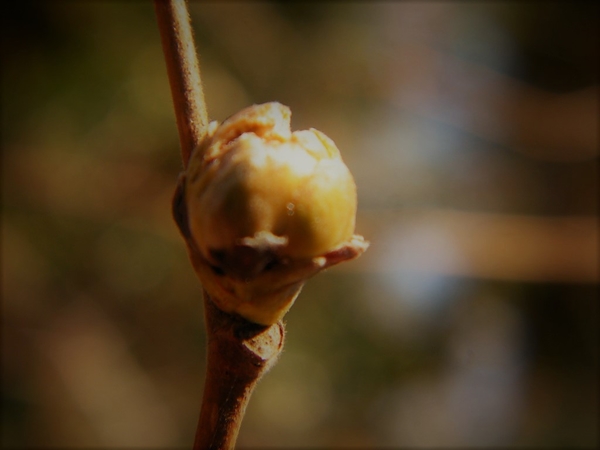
(472, 131)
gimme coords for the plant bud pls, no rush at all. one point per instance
(262, 199)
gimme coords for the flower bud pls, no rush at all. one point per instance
(260, 198)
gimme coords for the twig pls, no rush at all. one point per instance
(184, 73)
(239, 351)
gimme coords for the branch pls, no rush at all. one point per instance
(184, 73)
(239, 351)
(252, 279)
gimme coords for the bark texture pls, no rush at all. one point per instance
(239, 353)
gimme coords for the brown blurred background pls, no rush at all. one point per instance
(472, 132)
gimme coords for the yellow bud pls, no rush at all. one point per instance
(258, 195)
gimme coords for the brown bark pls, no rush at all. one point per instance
(184, 73)
(239, 353)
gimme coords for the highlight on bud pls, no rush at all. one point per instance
(266, 209)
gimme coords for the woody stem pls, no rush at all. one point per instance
(184, 73)
(239, 351)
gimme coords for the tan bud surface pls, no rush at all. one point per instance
(259, 196)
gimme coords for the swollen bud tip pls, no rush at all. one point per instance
(265, 207)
